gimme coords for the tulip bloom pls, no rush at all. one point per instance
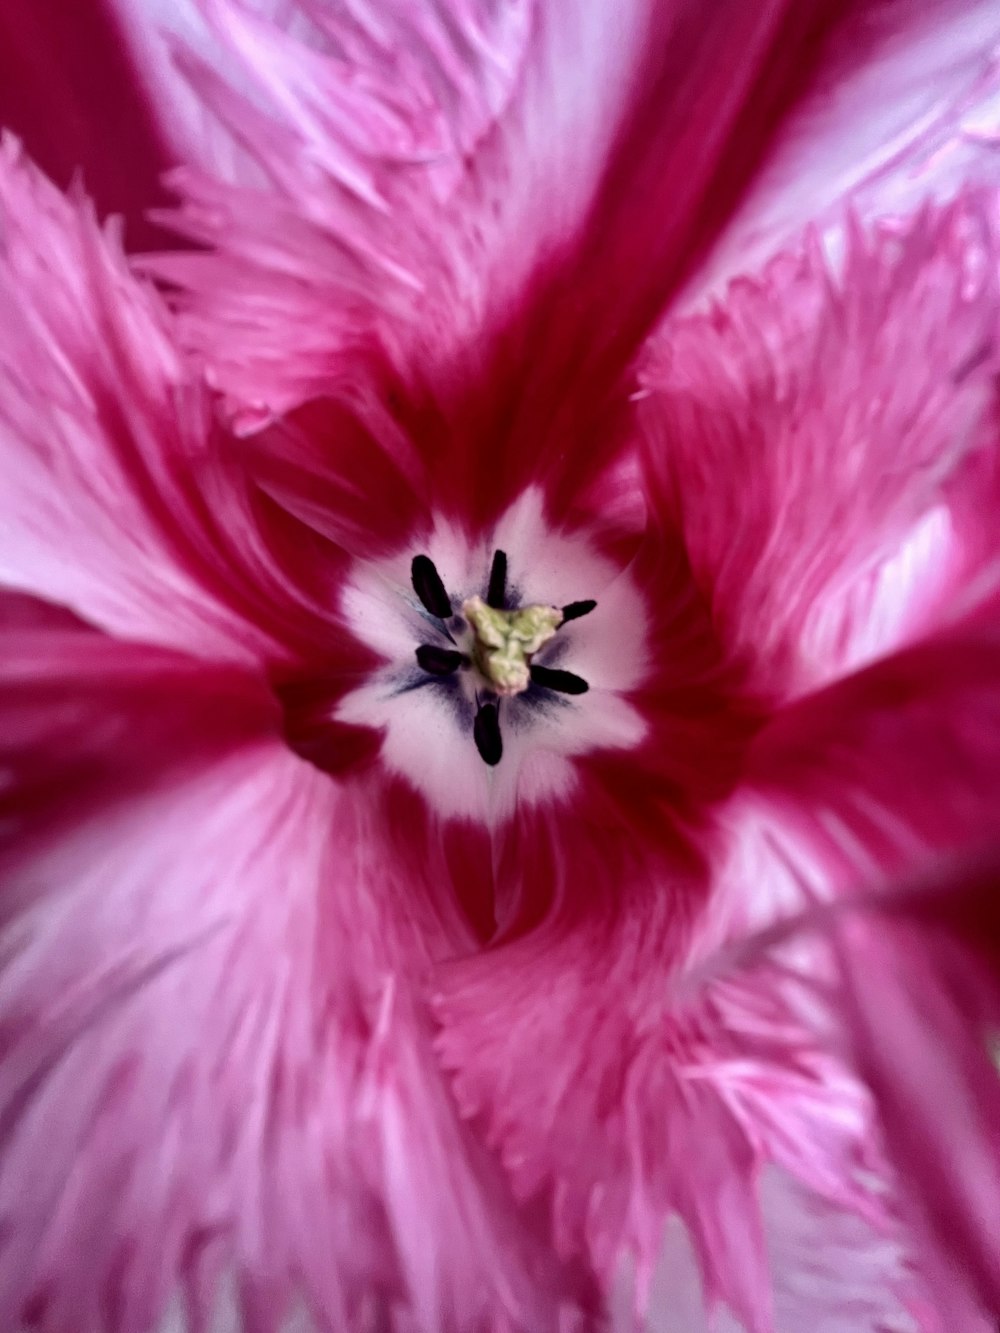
(490, 624)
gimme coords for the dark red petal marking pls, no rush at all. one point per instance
(429, 588)
(486, 733)
(563, 681)
(438, 661)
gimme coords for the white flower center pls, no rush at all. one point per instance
(522, 669)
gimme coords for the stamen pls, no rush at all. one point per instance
(486, 734)
(497, 592)
(494, 644)
(563, 681)
(429, 588)
(438, 661)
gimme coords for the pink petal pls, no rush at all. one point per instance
(378, 106)
(894, 763)
(831, 1272)
(875, 778)
(921, 1005)
(156, 33)
(213, 1061)
(903, 107)
(121, 499)
(834, 1270)
(909, 992)
(621, 1098)
(501, 200)
(821, 441)
(70, 89)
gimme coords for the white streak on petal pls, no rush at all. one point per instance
(875, 614)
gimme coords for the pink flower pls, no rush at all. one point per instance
(500, 665)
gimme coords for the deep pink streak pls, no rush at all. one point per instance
(68, 90)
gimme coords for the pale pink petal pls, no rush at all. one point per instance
(213, 1062)
(835, 1272)
(903, 107)
(921, 1006)
(832, 1272)
(824, 443)
(867, 783)
(93, 91)
(621, 1096)
(70, 89)
(121, 497)
(908, 991)
(347, 111)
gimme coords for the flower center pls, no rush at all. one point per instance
(445, 706)
(493, 646)
(504, 642)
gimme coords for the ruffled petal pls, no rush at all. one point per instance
(830, 1270)
(825, 443)
(621, 1094)
(834, 1269)
(893, 764)
(903, 107)
(151, 32)
(212, 1058)
(875, 778)
(71, 88)
(121, 497)
(360, 120)
(862, 786)
(94, 93)
(920, 1003)
(498, 200)
(903, 984)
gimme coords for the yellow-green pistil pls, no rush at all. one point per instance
(505, 641)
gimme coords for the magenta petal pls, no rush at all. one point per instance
(910, 990)
(894, 763)
(825, 443)
(213, 1062)
(875, 778)
(122, 499)
(621, 1098)
(70, 87)
(359, 135)
(502, 198)
(902, 108)
(921, 979)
